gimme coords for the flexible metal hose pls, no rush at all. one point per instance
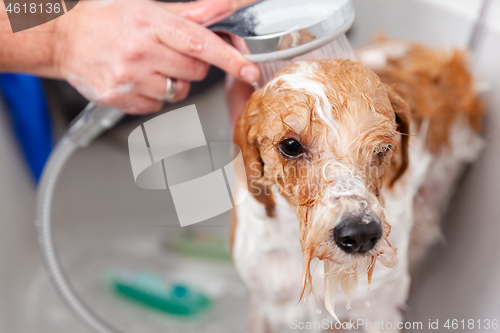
(89, 124)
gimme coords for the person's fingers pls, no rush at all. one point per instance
(196, 41)
(242, 3)
(171, 63)
(133, 104)
(207, 12)
(181, 91)
(202, 11)
(155, 87)
(159, 43)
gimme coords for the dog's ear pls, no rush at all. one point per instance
(403, 119)
(245, 136)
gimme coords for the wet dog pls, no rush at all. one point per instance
(349, 170)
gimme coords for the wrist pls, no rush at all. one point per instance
(57, 45)
(29, 51)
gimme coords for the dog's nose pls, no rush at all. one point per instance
(357, 234)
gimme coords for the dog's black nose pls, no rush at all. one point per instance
(357, 234)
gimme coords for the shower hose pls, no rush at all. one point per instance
(91, 122)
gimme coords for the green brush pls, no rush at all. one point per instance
(150, 290)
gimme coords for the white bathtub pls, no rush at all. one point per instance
(101, 217)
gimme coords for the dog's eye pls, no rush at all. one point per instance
(290, 147)
(380, 152)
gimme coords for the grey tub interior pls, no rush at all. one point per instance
(100, 213)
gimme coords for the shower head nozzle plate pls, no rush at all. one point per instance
(281, 29)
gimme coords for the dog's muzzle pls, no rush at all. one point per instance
(358, 234)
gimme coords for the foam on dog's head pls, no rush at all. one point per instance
(346, 121)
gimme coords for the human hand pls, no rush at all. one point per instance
(119, 53)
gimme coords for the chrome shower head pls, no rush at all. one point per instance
(276, 33)
(273, 30)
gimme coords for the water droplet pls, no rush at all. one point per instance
(367, 304)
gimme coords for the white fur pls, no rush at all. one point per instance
(375, 56)
(301, 80)
(268, 256)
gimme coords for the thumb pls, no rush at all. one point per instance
(204, 12)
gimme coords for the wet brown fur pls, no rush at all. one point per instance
(438, 87)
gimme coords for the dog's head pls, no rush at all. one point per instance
(327, 135)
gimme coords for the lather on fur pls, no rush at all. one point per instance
(383, 147)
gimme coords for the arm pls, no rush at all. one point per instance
(28, 51)
(119, 53)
